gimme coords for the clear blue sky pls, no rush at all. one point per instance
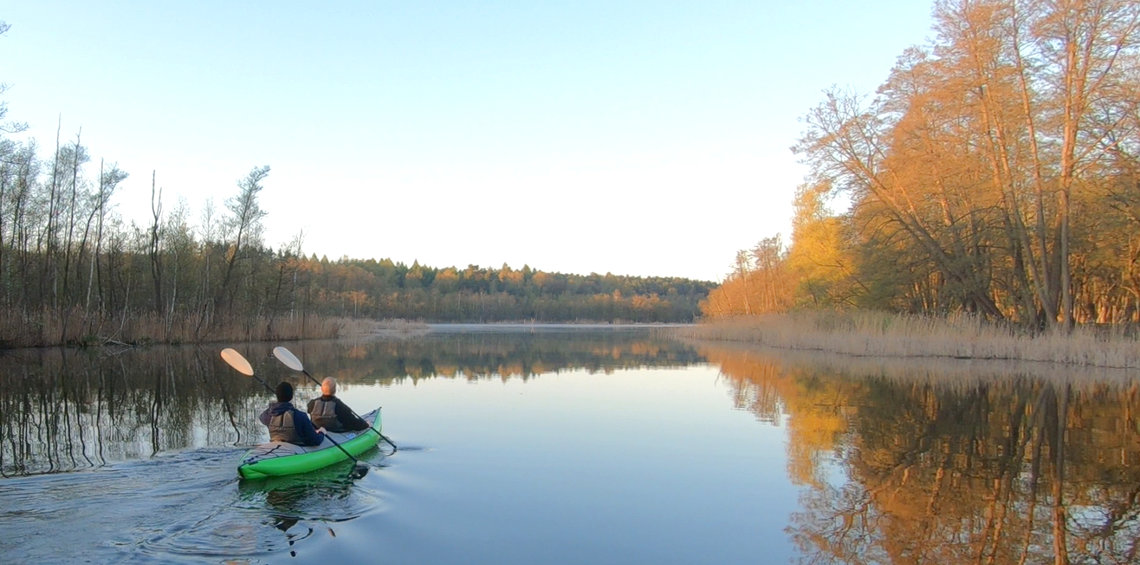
(640, 138)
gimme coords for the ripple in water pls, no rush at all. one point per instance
(188, 506)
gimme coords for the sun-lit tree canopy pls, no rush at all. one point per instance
(995, 171)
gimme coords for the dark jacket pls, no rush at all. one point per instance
(286, 423)
(334, 415)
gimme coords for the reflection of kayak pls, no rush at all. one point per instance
(278, 458)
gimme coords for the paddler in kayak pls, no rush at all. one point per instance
(286, 423)
(331, 413)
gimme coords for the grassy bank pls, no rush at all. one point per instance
(873, 334)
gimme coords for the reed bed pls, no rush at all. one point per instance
(875, 334)
(941, 371)
(41, 328)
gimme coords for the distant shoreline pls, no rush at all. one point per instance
(76, 330)
(401, 328)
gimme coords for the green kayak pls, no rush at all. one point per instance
(278, 458)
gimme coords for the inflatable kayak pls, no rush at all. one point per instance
(278, 458)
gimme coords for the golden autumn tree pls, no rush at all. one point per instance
(820, 261)
(759, 283)
(988, 161)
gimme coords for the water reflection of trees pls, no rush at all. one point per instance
(1009, 469)
(490, 354)
(66, 409)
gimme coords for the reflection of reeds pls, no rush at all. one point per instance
(889, 335)
(939, 371)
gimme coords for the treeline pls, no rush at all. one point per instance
(995, 172)
(386, 289)
(72, 270)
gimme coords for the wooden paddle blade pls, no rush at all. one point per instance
(285, 356)
(235, 360)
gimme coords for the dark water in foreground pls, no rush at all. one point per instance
(568, 446)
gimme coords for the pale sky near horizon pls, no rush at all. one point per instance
(638, 138)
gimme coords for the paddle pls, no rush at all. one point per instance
(241, 365)
(289, 360)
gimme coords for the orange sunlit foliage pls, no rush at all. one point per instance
(994, 172)
(759, 284)
(819, 270)
(822, 261)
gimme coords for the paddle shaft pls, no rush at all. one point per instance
(264, 384)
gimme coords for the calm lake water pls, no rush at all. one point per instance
(557, 445)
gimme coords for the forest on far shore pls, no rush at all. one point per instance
(74, 271)
(383, 289)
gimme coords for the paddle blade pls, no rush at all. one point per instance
(235, 360)
(285, 356)
(358, 471)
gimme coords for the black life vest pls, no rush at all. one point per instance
(323, 414)
(281, 428)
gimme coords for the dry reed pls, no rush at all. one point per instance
(40, 328)
(875, 334)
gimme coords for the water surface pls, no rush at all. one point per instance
(554, 445)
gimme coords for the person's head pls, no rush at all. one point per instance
(328, 386)
(284, 392)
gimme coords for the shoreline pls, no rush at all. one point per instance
(880, 335)
(78, 330)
